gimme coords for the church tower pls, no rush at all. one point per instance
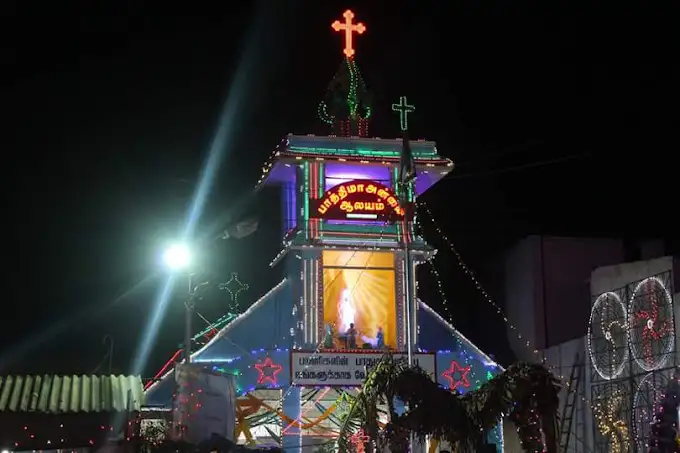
(350, 216)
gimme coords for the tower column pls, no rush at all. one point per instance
(402, 292)
(291, 436)
(311, 298)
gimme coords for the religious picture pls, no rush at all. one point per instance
(360, 299)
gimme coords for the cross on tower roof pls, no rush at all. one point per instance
(404, 109)
(349, 28)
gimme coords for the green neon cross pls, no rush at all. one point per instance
(404, 109)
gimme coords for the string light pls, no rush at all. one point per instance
(56, 431)
(348, 110)
(152, 432)
(646, 318)
(497, 308)
(473, 277)
(234, 286)
(440, 288)
(528, 426)
(604, 306)
(649, 397)
(273, 382)
(606, 415)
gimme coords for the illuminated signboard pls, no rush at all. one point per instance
(346, 369)
(358, 200)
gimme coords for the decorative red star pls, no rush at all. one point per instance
(450, 375)
(267, 371)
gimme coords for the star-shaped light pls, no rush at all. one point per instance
(462, 379)
(267, 371)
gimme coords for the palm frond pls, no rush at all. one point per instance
(352, 421)
(460, 420)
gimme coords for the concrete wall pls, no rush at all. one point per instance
(511, 443)
(560, 360)
(609, 278)
(567, 265)
(521, 292)
(546, 288)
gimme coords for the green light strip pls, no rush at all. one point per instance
(360, 152)
(306, 198)
(320, 189)
(215, 326)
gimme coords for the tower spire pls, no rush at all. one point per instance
(346, 107)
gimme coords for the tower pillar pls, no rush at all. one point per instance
(291, 435)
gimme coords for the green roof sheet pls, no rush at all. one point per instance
(60, 394)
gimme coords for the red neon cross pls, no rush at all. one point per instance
(349, 28)
(358, 439)
(450, 375)
(267, 371)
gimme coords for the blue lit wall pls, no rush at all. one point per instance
(261, 337)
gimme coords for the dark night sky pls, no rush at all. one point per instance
(561, 120)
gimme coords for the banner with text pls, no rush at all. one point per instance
(345, 369)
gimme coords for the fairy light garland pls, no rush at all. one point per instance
(527, 423)
(61, 434)
(440, 289)
(616, 429)
(421, 204)
(476, 282)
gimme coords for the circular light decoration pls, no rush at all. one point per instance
(608, 335)
(648, 396)
(650, 321)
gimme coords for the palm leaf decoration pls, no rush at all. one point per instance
(528, 393)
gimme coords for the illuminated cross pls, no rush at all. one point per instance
(404, 109)
(349, 28)
(358, 439)
(234, 286)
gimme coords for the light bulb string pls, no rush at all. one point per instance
(466, 269)
(372, 247)
(440, 290)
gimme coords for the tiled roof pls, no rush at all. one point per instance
(59, 394)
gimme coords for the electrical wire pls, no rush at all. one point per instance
(516, 168)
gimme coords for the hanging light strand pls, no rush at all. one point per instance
(448, 315)
(471, 275)
(466, 269)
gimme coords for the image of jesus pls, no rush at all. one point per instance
(346, 310)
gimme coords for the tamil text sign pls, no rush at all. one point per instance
(346, 369)
(359, 200)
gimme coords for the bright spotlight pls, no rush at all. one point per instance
(5, 451)
(177, 257)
